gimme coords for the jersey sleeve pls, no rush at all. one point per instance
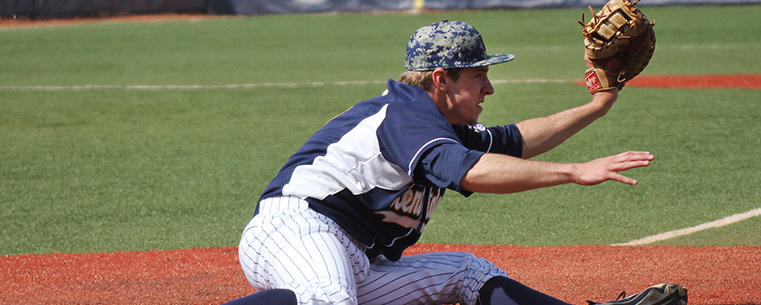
(505, 139)
(444, 165)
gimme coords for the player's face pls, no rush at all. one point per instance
(466, 95)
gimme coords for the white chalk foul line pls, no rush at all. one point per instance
(179, 87)
(687, 231)
(237, 86)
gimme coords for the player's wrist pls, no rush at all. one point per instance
(602, 101)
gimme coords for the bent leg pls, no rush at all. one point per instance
(303, 251)
(431, 278)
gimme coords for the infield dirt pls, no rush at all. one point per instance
(713, 275)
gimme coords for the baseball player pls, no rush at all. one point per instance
(331, 227)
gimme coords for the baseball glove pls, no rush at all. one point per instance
(619, 41)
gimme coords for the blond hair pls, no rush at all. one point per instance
(423, 79)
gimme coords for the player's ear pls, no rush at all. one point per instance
(439, 79)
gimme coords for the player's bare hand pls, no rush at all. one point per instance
(608, 168)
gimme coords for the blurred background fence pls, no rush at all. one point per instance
(34, 9)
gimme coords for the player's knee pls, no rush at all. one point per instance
(477, 264)
(469, 274)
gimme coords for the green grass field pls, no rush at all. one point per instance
(92, 162)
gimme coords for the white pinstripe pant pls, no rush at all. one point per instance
(287, 245)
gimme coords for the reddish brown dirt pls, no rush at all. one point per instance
(713, 275)
(705, 81)
(747, 81)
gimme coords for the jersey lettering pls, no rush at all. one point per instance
(434, 197)
(407, 210)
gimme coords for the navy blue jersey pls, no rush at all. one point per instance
(380, 168)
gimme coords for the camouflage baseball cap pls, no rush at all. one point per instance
(449, 44)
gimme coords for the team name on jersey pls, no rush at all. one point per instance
(414, 207)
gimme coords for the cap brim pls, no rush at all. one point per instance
(490, 60)
(493, 60)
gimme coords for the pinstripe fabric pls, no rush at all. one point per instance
(431, 278)
(288, 245)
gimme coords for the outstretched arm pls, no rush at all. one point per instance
(543, 134)
(496, 173)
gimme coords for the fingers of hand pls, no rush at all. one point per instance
(623, 179)
(631, 159)
(628, 160)
(608, 168)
